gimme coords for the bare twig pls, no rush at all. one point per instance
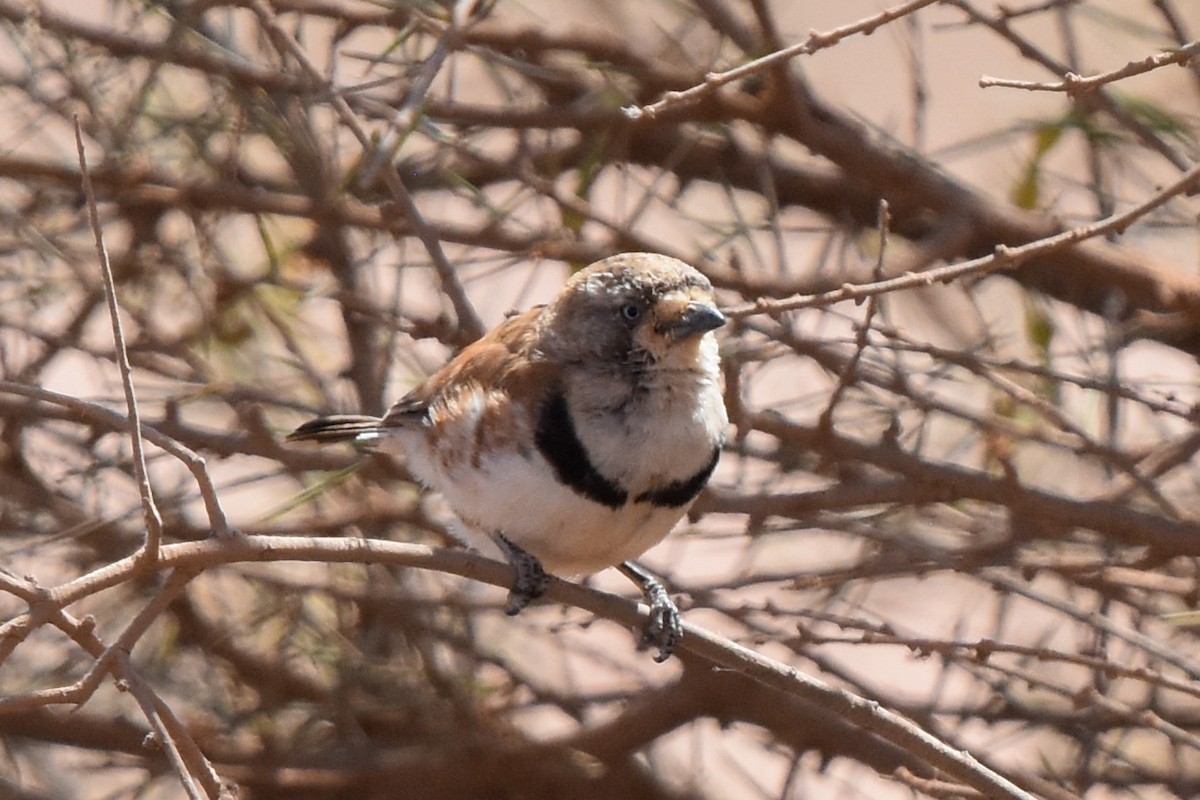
(1141, 129)
(1076, 85)
(99, 415)
(814, 42)
(196, 774)
(189, 762)
(1004, 257)
(405, 117)
(468, 319)
(150, 513)
(862, 334)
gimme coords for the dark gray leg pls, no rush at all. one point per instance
(665, 628)
(531, 579)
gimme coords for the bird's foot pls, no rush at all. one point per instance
(531, 580)
(664, 629)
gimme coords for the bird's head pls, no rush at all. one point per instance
(636, 308)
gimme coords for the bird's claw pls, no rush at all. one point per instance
(531, 580)
(519, 597)
(664, 628)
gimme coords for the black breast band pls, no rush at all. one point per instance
(560, 446)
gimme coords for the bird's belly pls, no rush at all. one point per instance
(570, 534)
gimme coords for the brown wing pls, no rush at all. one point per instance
(502, 360)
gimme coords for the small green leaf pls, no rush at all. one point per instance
(1040, 330)
(1154, 116)
(306, 496)
(1027, 191)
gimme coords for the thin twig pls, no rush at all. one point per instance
(45, 609)
(980, 651)
(405, 117)
(1076, 85)
(175, 583)
(815, 41)
(468, 319)
(170, 732)
(99, 415)
(1003, 257)
(182, 751)
(1095, 621)
(862, 335)
(1146, 133)
(149, 510)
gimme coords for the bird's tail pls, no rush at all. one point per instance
(338, 428)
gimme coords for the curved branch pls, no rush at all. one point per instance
(711, 648)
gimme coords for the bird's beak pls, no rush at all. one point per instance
(693, 320)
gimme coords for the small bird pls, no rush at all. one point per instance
(573, 436)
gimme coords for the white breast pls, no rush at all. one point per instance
(666, 432)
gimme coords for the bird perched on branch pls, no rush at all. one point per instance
(574, 436)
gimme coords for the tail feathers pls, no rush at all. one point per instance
(339, 428)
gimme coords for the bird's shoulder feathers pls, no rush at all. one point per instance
(506, 361)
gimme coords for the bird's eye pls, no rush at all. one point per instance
(631, 311)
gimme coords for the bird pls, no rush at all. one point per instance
(573, 436)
